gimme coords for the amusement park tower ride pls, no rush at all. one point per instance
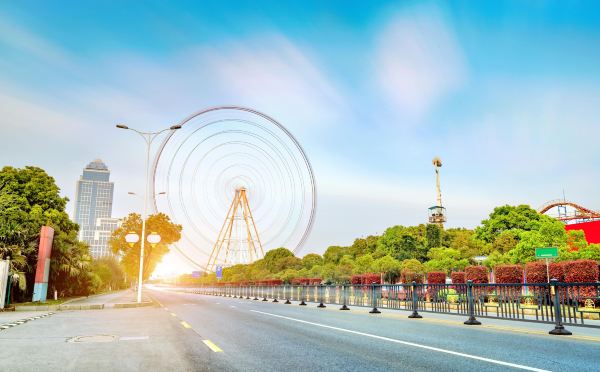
(437, 213)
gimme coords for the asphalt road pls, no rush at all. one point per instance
(190, 332)
(259, 336)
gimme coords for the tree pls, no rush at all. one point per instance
(363, 246)
(130, 255)
(30, 199)
(404, 243)
(508, 218)
(445, 259)
(334, 253)
(363, 264)
(311, 260)
(433, 235)
(272, 256)
(505, 241)
(549, 233)
(389, 266)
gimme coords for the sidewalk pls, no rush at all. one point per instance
(119, 299)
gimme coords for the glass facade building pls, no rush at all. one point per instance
(93, 208)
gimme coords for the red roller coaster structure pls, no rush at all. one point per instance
(575, 217)
(579, 214)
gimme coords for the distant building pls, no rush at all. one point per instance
(93, 208)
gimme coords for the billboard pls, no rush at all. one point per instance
(40, 288)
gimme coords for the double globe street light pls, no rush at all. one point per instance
(148, 137)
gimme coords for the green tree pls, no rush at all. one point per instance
(30, 199)
(389, 266)
(130, 255)
(433, 235)
(445, 259)
(311, 260)
(549, 233)
(363, 264)
(404, 243)
(272, 256)
(508, 218)
(363, 246)
(334, 253)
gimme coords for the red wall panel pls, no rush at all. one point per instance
(591, 230)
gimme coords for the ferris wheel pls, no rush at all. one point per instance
(238, 182)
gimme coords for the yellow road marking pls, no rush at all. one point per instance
(185, 324)
(212, 346)
(173, 314)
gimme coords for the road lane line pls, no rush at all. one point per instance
(494, 361)
(233, 307)
(173, 314)
(133, 338)
(212, 346)
(185, 324)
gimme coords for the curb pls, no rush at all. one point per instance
(133, 304)
(21, 321)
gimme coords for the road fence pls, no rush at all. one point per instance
(556, 302)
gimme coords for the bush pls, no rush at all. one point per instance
(510, 274)
(478, 274)
(436, 277)
(408, 276)
(458, 277)
(370, 278)
(557, 270)
(535, 272)
(581, 271)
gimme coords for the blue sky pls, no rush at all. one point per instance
(506, 93)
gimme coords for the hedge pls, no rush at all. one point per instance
(370, 278)
(581, 271)
(509, 274)
(478, 274)
(407, 277)
(535, 272)
(458, 277)
(436, 277)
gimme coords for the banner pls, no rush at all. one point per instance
(40, 288)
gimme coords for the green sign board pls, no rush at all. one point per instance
(550, 252)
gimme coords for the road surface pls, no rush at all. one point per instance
(189, 332)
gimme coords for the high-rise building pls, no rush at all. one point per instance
(93, 208)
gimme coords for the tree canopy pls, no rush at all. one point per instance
(130, 255)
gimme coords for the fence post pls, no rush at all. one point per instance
(559, 329)
(471, 305)
(287, 295)
(302, 303)
(374, 301)
(275, 293)
(255, 290)
(321, 296)
(415, 302)
(265, 293)
(344, 307)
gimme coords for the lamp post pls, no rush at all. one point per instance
(148, 137)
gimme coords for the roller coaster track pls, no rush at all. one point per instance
(581, 213)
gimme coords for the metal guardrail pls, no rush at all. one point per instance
(555, 302)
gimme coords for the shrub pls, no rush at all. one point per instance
(436, 277)
(408, 276)
(557, 270)
(458, 277)
(581, 271)
(510, 274)
(478, 274)
(535, 272)
(370, 278)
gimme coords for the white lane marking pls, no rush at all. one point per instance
(217, 303)
(494, 361)
(133, 338)
(232, 306)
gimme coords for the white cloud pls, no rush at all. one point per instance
(418, 61)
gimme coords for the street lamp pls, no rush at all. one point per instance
(148, 137)
(131, 238)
